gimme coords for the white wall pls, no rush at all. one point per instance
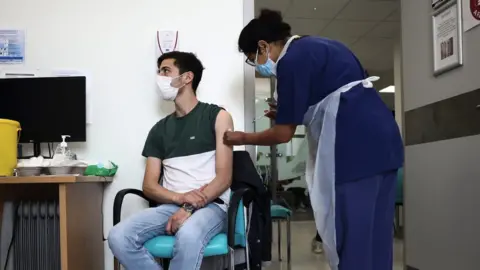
(262, 87)
(386, 79)
(114, 41)
(441, 176)
(397, 71)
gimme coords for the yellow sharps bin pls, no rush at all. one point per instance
(9, 136)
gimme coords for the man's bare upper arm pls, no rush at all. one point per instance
(152, 172)
(224, 153)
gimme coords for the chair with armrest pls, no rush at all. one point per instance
(161, 247)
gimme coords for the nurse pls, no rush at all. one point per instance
(355, 148)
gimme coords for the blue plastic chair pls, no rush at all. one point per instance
(280, 213)
(222, 244)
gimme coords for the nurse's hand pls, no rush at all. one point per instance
(272, 113)
(234, 138)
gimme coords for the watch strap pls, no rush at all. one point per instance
(188, 207)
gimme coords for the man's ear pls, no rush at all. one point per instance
(188, 77)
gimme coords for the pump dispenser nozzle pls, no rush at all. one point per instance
(64, 143)
(62, 152)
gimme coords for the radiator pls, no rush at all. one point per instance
(36, 244)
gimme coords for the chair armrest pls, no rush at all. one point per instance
(232, 213)
(117, 204)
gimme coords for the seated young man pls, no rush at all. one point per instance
(194, 193)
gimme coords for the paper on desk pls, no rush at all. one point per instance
(77, 73)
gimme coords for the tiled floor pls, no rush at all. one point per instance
(302, 257)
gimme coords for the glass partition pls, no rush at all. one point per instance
(284, 175)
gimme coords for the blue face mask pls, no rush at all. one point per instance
(268, 69)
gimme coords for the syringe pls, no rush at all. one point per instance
(258, 118)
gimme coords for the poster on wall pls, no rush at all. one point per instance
(12, 46)
(471, 14)
(447, 38)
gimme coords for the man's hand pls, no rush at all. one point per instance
(179, 199)
(176, 221)
(196, 198)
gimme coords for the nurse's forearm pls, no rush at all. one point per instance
(266, 137)
(278, 134)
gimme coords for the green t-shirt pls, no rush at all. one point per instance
(186, 145)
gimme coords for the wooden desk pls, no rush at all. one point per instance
(80, 200)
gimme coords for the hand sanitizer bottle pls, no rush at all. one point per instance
(62, 152)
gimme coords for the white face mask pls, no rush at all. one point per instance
(165, 89)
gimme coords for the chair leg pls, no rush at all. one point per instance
(247, 251)
(396, 222)
(165, 263)
(116, 264)
(279, 240)
(247, 257)
(231, 256)
(289, 243)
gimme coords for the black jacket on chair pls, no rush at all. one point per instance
(245, 175)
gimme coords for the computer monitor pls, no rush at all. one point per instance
(45, 107)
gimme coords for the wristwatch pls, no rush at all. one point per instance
(188, 207)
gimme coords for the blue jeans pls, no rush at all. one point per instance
(126, 239)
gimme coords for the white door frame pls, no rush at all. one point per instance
(249, 82)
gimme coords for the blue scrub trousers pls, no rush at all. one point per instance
(365, 211)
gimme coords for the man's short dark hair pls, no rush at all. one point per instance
(185, 62)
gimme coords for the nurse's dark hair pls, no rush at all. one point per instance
(185, 62)
(268, 26)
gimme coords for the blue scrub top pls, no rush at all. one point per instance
(368, 139)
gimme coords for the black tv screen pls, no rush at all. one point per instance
(45, 107)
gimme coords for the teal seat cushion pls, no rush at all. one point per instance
(162, 246)
(240, 239)
(278, 211)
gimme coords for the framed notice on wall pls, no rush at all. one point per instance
(447, 38)
(12, 46)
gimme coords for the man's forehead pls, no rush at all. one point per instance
(168, 63)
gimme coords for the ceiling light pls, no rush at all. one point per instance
(389, 89)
